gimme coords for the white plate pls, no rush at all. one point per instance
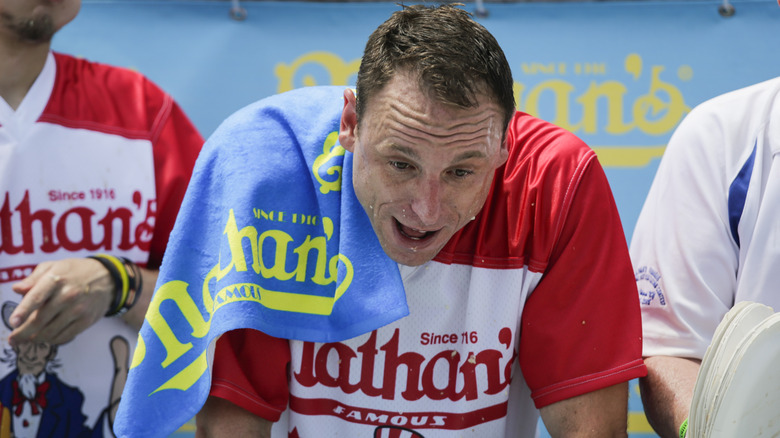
(729, 335)
(748, 401)
(694, 418)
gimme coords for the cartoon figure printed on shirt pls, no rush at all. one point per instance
(34, 402)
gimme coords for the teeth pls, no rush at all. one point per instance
(412, 233)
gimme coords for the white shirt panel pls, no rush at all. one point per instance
(64, 201)
(465, 325)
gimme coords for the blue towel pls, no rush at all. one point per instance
(270, 236)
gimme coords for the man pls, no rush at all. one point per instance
(706, 239)
(504, 230)
(94, 162)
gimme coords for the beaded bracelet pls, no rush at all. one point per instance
(127, 288)
(137, 286)
(119, 276)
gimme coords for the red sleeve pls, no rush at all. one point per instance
(581, 326)
(176, 144)
(250, 371)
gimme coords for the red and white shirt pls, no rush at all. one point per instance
(95, 159)
(531, 303)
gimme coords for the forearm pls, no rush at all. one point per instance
(667, 392)
(598, 414)
(135, 316)
(220, 418)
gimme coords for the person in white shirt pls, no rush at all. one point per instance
(707, 238)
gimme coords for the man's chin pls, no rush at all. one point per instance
(410, 257)
(36, 30)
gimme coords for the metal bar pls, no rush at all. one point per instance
(237, 12)
(726, 9)
(481, 11)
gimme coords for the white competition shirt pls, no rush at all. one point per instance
(709, 232)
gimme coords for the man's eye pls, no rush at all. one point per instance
(460, 173)
(400, 165)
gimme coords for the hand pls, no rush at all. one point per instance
(60, 299)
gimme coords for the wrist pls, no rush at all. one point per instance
(683, 428)
(127, 280)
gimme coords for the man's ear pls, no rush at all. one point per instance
(504, 151)
(348, 126)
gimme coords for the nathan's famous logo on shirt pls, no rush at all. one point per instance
(384, 370)
(73, 223)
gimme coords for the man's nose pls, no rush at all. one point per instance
(427, 199)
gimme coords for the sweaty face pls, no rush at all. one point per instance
(422, 169)
(36, 21)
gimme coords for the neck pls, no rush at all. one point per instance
(20, 64)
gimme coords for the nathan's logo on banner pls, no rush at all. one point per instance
(340, 71)
(643, 101)
(616, 101)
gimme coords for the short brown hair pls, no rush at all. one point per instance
(455, 57)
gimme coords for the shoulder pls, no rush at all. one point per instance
(718, 135)
(538, 148)
(736, 112)
(297, 108)
(289, 129)
(81, 72)
(8, 378)
(307, 114)
(751, 96)
(105, 98)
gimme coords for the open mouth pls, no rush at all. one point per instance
(412, 233)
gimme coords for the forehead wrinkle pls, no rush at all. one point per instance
(478, 137)
(430, 125)
(417, 134)
(410, 152)
(459, 133)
